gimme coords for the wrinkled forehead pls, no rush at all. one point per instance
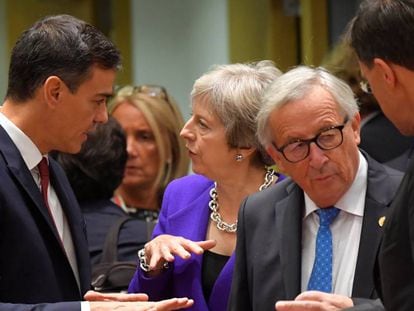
(303, 117)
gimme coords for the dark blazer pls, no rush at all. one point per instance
(269, 237)
(33, 266)
(99, 217)
(396, 257)
(382, 140)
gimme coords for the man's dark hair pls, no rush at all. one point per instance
(384, 29)
(62, 46)
(97, 170)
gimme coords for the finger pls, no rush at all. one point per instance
(174, 304)
(196, 247)
(312, 295)
(160, 257)
(291, 305)
(95, 296)
(126, 297)
(207, 244)
(328, 299)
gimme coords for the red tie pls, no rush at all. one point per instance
(44, 181)
(44, 184)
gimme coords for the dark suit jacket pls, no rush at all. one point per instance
(396, 257)
(382, 140)
(269, 237)
(99, 217)
(33, 266)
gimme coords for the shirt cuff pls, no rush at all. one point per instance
(85, 306)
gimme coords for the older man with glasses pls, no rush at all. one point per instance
(309, 243)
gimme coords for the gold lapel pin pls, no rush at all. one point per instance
(381, 221)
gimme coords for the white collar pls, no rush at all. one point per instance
(352, 199)
(29, 151)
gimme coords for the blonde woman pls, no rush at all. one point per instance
(156, 153)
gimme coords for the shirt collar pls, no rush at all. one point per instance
(353, 201)
(30, 153)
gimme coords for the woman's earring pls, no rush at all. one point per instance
(239, 157)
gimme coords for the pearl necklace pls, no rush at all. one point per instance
(214, 206)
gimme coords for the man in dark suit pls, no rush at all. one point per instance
(61, 72)
(382, 36)
(309, 124)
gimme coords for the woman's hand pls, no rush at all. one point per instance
(164, 248)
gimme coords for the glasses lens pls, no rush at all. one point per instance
(330, 139)
(296, 151)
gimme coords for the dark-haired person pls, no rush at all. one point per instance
(94, 173)
(382, 36)
(61, 72)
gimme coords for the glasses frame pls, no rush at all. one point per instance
(151, 90)
(313, 140)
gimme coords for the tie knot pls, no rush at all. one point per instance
(43, 168)
(327, 215)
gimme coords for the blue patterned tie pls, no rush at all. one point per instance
(321, 277)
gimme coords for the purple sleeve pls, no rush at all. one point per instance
(159, 287)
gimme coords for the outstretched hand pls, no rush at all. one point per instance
(315, 301)
(133, 302)
(164, 247)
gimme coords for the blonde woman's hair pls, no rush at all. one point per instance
(166, 122)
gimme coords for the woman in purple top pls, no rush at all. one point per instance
(192, 250)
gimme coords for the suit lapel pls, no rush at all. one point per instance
(289, 231)
(379, 196)
(21, 173)
(75, 221)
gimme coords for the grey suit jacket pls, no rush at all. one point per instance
(269, 236)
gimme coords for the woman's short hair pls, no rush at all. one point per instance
(295, 85)
(233, 92)
(166, 121)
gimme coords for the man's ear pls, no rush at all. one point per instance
(356, 127)
(386, 71)
(52, 90)
(276, 156)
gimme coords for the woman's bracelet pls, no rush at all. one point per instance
(143, 262)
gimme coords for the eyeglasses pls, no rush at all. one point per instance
(151, 90)
(330, 138)
(365, 87)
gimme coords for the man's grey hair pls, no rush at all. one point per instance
(295, 85)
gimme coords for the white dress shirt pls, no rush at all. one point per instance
(346, 233)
